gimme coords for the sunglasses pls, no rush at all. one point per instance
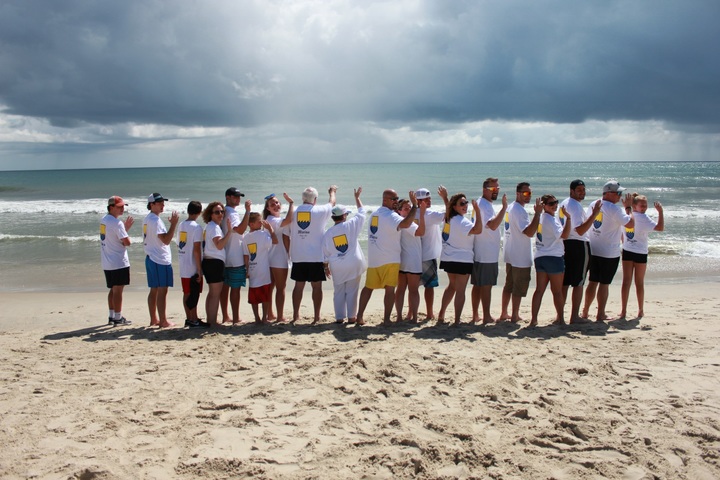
(462, 203)
(492, 189)
(218, 212)
(553, 203)
(526, 194)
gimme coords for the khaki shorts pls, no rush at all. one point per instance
(382, 276)
(517, 280)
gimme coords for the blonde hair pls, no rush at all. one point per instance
(638, 198)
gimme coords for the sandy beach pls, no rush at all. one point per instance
(631, 399)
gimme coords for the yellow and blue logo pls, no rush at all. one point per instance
(102, 232)
(539, 233)
(562, 218)
(183, 240)
(630, 233)
(598, 220)
(507, 221)
(446, 232)
(144, 231)
(374, 224)
(303, 220)
(252, 250)
(341, 243)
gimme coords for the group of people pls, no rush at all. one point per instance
(405, 240)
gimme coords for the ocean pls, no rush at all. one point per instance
(49, 220)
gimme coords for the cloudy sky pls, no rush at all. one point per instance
(140, 83)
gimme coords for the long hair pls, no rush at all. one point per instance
(450, 211)
(207, 213)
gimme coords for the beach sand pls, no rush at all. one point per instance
(631, 399)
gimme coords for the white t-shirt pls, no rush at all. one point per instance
(548, 242)
(636, 238)
(188, 234)
(212, 230)
(113, 254)
(233, 247)
(518, 246)
(384, 238)
(457, 244)
(306, 232)
(431, 241)
(411, 250)
(154, 247)
(578, 215)
(486, 245)
(278, 253)
(607, 230)
(342, 251)
(257, 245)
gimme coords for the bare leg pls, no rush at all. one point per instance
(506, 296)
(541, 282)
(447, 297)
(400, 296)
(266, 306)
(297, 295)
(413, 282)
(235, 305)
(485, 298)
(627, 269)
(460, 287)
(558, 298)
(162, 308)
(152, 307)
(429, 302)
(212, 303)
(271, 314)
(317, 298)
(256, 312)
(475, 303)
(577, 295)
(603, 292)
(365, 295)
(516, 299)
(115, 298)
(224, 298)
(388, 301)
(640, 269)
(590, 293)
(279, 276)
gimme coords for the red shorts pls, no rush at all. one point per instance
(257, 295)
(186, 285)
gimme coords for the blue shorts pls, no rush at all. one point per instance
(429, 277)
(158, 276)
(550, 265)
(234, 277)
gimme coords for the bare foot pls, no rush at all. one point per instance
(503, 317)
(440, 321)
(559, 321)
(167, 325)
(281, 320)
(226, 320)
(359, 322)
(532, 324)
(488, 320)
(640, 315)
(475, 320)
(517, 319)
(154, 323)
(314, 322)
(456, 323)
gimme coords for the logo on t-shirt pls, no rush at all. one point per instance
(183, 240)
(341, 243)
(446, 232)
(144, 231)
(539, 233)
(630, 233)
(252, 250)
(507, 221)
(374, 224)
(102, 232)
(562, 218)
(598, 221)
(303, 220)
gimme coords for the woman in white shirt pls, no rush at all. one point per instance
(279, 261)
(457, 252)
(635, 251)
(410, 262)
(213, 263)
(549, 262)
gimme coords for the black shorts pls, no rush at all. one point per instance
(213, 270)
(115, 278)
(577, 260)
(602, 270)
(458, 268)
(308, 272)
(634, 257)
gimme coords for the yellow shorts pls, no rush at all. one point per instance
(382, 276)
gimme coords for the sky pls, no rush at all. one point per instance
(232, 82)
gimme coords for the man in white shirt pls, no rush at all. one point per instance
(606, 245)
(577, 246)
(519, 230)
(234, 274)
(486, 249)
(431, 242)
(158, 259)
(384, 252)
(306, 235)
(114, 241)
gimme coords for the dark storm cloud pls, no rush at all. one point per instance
(244, 64)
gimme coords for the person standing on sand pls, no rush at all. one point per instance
(431, 246)
(344, 259)
(189, 243)
(256, 252)
(411, 264)
(234, 271)
(384, 252)
(577, 246)
(519, 230)
(114, 241)
(606, 245)
(306, 254)
(158, 259)
(487, 250)
(279, 261)
(635, 250)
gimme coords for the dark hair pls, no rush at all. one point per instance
(520, 186)
(194, 207)
(488, 181)
(450, 211)
(266, 211)
(207, 213)
(545, 198)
